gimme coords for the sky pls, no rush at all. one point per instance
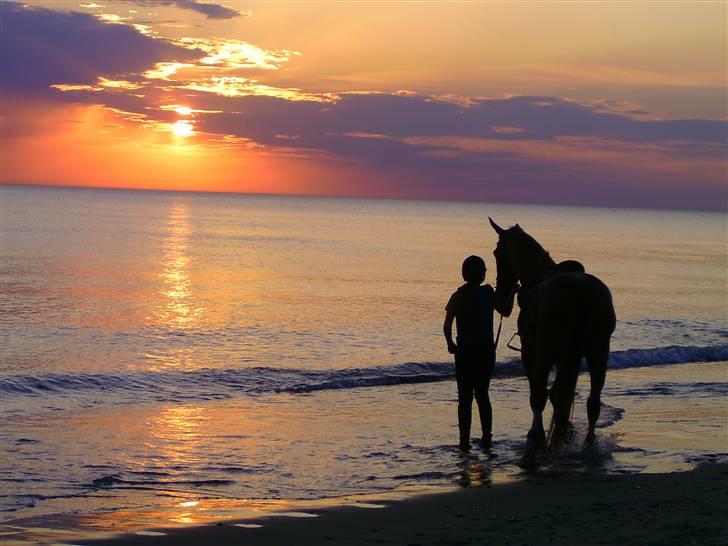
(617, 104)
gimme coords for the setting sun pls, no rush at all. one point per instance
(182, 128)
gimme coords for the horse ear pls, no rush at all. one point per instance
(499, 230)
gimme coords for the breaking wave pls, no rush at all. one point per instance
(211, 383)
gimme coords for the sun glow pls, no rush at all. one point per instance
(182, 128)
(183, 110)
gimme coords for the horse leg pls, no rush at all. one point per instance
(597, 361)
(539, 394)
(562, 399)
(536, 438)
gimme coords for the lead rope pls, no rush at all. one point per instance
(517, 334)
(497, 336)
(510, 343)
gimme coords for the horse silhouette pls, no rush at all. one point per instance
(566, 314)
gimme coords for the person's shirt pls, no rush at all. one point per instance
(472, 306)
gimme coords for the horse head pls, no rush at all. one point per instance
(520, 259)
(506, 278)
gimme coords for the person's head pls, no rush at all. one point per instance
(474, 270)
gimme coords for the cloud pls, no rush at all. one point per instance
(42, 47)
(537, 136)
(532, 149)
(524, 148)
(230, 54)
(211, 11)
(406, 116)
(231, 86)
(411, 131)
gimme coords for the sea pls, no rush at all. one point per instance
(185, 357)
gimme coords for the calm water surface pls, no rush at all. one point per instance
(199, 347)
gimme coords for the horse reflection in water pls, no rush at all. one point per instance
(566, 314)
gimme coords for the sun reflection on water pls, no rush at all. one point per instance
(179, 310)
(176, 430)
(176, 309)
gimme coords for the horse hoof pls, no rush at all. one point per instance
(528, 461)
(535, 440)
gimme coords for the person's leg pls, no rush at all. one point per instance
(465, 400)
(482, 384)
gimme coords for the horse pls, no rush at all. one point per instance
(565, 314)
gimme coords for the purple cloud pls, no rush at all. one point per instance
(42, 47)
(554, 151)
(563, 151)
(396, 117)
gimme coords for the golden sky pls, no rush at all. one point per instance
(599, 103)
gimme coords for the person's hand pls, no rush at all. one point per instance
(451, 347)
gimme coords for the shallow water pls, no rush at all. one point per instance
(162, 348)
(151, 458)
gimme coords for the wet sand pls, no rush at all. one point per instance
(673, 508)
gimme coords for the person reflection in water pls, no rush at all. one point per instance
(471, 306)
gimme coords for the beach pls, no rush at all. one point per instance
(676, 508)
(175, 360)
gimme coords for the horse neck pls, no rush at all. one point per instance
(533, 265)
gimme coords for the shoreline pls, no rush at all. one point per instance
(671, 508)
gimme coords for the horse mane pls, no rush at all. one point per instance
(533, 259)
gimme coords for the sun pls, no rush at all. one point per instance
(182, 128)
(183, 110)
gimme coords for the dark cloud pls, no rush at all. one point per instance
(41, 47)
(567, 152)
(395, 117)
(211, 11)
(431, 139)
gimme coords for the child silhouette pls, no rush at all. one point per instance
(471, 306)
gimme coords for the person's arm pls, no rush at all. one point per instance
(447, 330)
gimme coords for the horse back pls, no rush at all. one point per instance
(569, 309)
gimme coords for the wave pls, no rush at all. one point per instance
(674, 354)
(211, 383)
(109, 481)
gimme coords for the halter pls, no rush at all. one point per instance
(524, 294)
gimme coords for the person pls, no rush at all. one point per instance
(471, 307)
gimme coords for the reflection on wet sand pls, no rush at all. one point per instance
(474, 473)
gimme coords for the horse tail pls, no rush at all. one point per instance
(604, 318)
(597, 319)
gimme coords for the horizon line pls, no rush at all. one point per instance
(723, 210)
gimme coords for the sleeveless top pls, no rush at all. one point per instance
(472, 306)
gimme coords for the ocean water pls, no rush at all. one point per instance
(179, 356)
